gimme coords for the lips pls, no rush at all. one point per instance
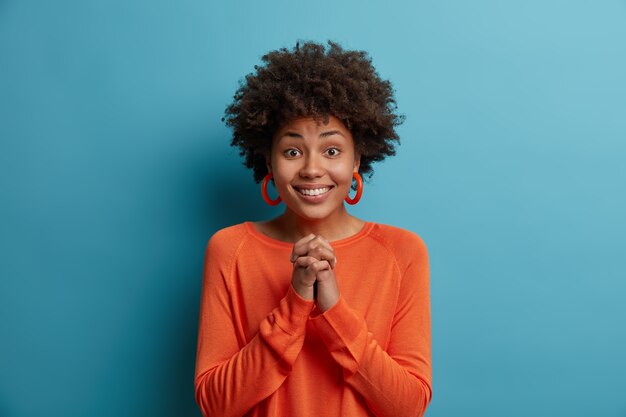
(313, 191)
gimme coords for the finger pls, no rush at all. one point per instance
(299, 248)
(322, 253)
(318, 266)
(304, 261)
(320, 241)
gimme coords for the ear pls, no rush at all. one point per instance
(268, 164)
(357, 161)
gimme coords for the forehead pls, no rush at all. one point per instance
(310, 126)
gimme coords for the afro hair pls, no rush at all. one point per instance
(318, 81)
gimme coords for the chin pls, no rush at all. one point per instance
(314, 214)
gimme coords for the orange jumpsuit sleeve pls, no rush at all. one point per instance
(230, 378)
(394, 382)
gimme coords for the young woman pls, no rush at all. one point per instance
(316, 312)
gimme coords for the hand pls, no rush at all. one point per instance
(314, 260)
(305, 268)
(315, 246)
(327, 290)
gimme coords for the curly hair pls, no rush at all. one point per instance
(312, 80)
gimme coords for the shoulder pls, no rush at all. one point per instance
(397, 237)
(405, 245)
(226, 242)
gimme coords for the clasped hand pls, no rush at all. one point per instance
(314, 262)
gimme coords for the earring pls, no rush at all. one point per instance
(359, 190)
(266, 196)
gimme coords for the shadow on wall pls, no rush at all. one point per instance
(234, 197)
(219, 192)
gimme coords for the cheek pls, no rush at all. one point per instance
(282, 175)
(279, 180)
(343, 176)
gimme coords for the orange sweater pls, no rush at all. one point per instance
(265, 351)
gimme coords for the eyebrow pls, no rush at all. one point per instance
(322, 135)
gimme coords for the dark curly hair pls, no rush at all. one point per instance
(312, 80)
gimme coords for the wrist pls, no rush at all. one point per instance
(327, 302)
(304, 291)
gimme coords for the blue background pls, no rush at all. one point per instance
(115, 170)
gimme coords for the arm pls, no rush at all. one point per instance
(395, 382)
(225, 370)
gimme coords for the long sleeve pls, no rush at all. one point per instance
(394, 382)
(231, 378)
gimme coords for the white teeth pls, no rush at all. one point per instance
(315, 191)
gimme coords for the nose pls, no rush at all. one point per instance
(312, 167)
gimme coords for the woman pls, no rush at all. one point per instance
(316, 312)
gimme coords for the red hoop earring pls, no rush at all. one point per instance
(266, 196)
(359, 190)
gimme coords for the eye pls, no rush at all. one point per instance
(333, 151)
(291, 153)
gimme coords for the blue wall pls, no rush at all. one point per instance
(115, 170)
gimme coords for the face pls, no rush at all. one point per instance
(312, 163)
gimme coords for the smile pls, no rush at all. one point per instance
(314, 191)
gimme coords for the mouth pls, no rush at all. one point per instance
(313, 192)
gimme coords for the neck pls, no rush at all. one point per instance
(339, 226)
